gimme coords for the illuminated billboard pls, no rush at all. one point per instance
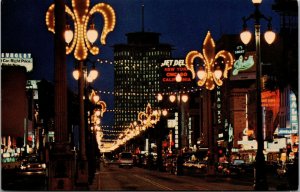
(170, 68)
(17, 59)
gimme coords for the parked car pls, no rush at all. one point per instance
(237, 167)
(32, 164)
(126, 159)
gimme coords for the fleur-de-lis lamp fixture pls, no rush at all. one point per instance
(148, 118)
(82, 39)
(211, 73)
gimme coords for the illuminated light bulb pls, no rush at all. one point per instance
(92, 34)
(96, 98)
(178, 78)
(218, 73)
(97, 112)
(246, 36)
(270, 36)
(68, 34)
(164, 112)
(89, 79)
(93, 73)
(201, 74)
(159, 97)
(256, 1)
(76, 74)
(98, 121)
(172, 98)
(184, 98)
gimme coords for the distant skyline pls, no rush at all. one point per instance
(181, 23)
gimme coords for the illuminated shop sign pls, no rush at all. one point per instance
(286, 131)
(219, 105)
(170, 68)
(243, 66)
(293, 113)
(17, 59)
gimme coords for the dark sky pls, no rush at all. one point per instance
(181, 23)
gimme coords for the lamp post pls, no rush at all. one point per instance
(180, 99)
(214, 68)
(81, 42)
(81, 74)
(260, 180)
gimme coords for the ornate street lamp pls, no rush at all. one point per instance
(260, 180)
(211, 75)
(149, 117)
(81, 41)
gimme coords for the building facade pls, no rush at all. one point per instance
(137, 75)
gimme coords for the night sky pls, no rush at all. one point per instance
(181, 23)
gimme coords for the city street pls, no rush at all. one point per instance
(135, 179)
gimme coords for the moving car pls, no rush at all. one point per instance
(125, 159)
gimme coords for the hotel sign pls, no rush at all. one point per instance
(17, 59)
(170, 68)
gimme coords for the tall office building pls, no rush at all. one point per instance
(137, 74)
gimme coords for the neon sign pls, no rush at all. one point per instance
(170, 68)
(241, 64)
(219, 105)
(293, 113)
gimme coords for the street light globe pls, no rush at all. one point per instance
(270, 36)
(178, 78)
(185, 98)
(159, 97)
(96, 98)
(76, 74)
(172, 98)
(164, 112)
(92, 34)
(93, 73)
(201, 73)
(256, 1)
(218, 73)
(246, 36)
(97, 112)
(68, 34)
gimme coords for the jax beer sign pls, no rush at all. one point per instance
(171, 67)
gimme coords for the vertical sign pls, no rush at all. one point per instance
(190, 132)
(219, 105)
(293, 113)
(176, 130)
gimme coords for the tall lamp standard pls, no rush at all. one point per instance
(210, 75)
(181, 99)
(260, 181)
(81, 42)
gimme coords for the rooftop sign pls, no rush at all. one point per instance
(170, 68)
